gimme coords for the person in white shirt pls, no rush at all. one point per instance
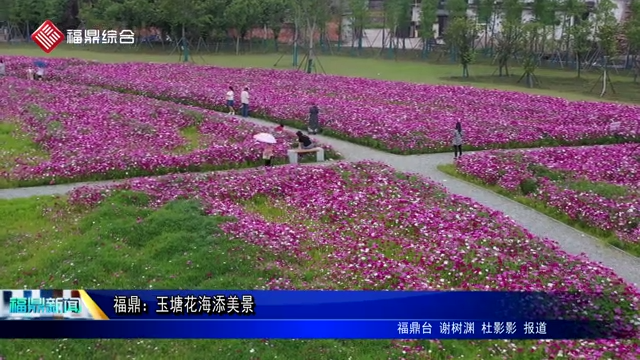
(30, 74)
(40, 73)
(244, 99)
(230, 97)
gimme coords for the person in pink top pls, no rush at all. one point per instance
(267, 154)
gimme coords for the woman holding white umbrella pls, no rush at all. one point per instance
(269, 140)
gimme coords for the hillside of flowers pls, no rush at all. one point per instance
(595, 185)
(394, 116)
(364, 226)
(91, 133)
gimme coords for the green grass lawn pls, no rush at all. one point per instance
(604, 189)
(562, 83)
(123, 244)
(15, 148)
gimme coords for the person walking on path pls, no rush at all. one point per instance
(314, 122)
(230, 97)
(244, 100)
(457, 140)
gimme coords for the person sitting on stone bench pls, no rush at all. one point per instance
(304, 141)
(305, 146)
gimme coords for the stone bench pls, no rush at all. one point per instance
(293, 154)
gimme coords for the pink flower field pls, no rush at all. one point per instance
(394, 116)
(597, 185)
(364, 226)
(89, 133)
(400, 117)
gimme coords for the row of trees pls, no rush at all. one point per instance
(584, 31)
(186, 18)
(220, 19)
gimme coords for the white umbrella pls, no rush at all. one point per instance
(265, 138)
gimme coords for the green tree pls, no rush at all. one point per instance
(544, 14)
(313, 14)
(123, 13)
(184, 17)
(298, 18)
(272, 15)
(93, 14)
(486, 9)
(428, 14)
(138, 13)
(216, 24)
(632, 33)
(457, 8)
(55, 10)
(606, 27)
(340, 9)
(532, 36)
(5, 9)
(244, 16)
(462, 34)
(579, 33)
(606, 33)
(510, 36)
(359, 17)
(397, 16)
(391, 23)
(404, 17)
(27, 13)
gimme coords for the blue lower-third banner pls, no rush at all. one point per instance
(306, 329)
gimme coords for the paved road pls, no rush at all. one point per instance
(48, 190)
(570, 240)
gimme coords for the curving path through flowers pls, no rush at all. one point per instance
(570, 240)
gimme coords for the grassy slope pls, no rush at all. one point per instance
(47, 244)
(13, 146)
(50, 251)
